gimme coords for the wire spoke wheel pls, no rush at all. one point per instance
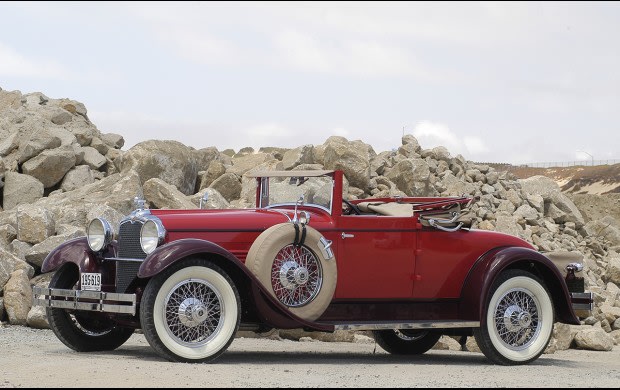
(518, 320)
(296, 276)
(193, 312)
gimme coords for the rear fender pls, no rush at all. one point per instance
(477, 286)
(270, 310)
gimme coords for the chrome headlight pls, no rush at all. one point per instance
(99, 234)
(152, 234)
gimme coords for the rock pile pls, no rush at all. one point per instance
(59, 172)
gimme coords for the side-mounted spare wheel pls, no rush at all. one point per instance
(302, 277)
(519, 319)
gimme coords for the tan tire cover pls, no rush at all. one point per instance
(263, 253)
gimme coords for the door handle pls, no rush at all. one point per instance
(345, 235)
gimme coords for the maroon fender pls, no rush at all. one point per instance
(74, 251)
(475, 292)
(272, 311)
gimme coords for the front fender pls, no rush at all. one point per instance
(166, 255)
(74, 251)
(477, 286)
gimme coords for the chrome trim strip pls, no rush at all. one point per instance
(72, 299)
(123, 259)
(408, 325)
(583, 306)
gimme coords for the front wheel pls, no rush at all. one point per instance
(190, 312)
(519, 319)
(406, 342)
(82, 331)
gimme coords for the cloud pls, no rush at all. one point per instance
(431, 134)
(12, 64)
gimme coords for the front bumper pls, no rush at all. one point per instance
(84, 300)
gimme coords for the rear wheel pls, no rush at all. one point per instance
(406, 342)
(519, 319)
(82, 331)
(190, 312)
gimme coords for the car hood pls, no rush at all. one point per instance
(222, 220)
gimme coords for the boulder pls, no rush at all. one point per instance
(18, 297)
(540, 185)
(170, 161)
(246, 162)
(215, 170)
(51, 165)
(165, 196)
(9, 264)
(93, 158)
(37, 143)
(301, 155)
(411, 176)
(20, 189)
(204, 157)
(214, 199)
(595, 339)
(38, 252)
(34, 224)
(77, 177)
(228, 185)
(353, 158)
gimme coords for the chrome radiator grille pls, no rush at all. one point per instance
(129, 241)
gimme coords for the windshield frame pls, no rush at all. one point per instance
(262, 191)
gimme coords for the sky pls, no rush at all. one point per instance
(496, 82)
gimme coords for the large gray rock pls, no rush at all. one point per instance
(165, 196)
(353, 158)
(215, 170)
(604, 228)
(540, 185)
(204, 157)
(37, 253)
(245, 163)
(572, 213)
(228, 185)
(34, 224)
(51, 165)
(115, 141)
(37, 143)
(613, 270)
(18, 297)
(214, 199)
(9, 264)
(20, 189)
(77, 177)
(66, 137)
(170, 161)
(116, 191)
(412, 176)
(595, 339)
(454, 186)
(301, 155)
(93, 158)
(563, 336)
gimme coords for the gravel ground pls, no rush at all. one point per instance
(36, 358)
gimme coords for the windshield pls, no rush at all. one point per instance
(316, 191)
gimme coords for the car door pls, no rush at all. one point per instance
(375, 257)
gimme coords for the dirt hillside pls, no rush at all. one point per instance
(598, 179)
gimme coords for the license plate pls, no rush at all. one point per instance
(91, 282)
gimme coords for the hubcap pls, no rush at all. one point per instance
(296, 276)
(193, 312)
(517, 321)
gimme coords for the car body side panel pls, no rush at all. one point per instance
(444, 259)
(476, 289)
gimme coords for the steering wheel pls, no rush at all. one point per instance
(352, 207)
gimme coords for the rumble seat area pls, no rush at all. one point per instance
(390, 209)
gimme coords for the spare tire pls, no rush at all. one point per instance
(302, 277)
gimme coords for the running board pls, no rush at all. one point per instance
(406, 325)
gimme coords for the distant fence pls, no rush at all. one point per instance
(555, 164)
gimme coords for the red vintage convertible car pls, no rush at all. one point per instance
(408, 269)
